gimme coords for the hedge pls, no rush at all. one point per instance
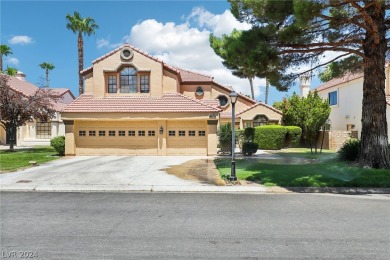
(293, 137)
(270, 137)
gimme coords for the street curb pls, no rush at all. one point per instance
(334, 190)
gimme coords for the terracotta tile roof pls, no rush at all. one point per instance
(337, 81)
(169, 102)
(227, 114)
(260, 104)
(211, 102)
(190, 76)
(21, 86)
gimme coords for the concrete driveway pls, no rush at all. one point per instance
(99, 172)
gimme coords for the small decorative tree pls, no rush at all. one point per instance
(225, 138)
(17, 109)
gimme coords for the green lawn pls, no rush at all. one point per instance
(299, 168)
(19, 158)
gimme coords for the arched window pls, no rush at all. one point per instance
(128, 80)
(260, 120)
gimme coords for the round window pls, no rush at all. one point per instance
(126, 54)
(223, 100)
(199, 91)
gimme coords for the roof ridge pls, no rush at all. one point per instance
(196, 100)
(258, 104)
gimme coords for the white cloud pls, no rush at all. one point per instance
(21, 39)
(105, 43)
(186, 45)
(12, 61)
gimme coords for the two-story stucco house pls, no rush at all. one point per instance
(36, 132)
(345, 95)
(135, 104)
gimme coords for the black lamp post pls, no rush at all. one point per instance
(233, 100)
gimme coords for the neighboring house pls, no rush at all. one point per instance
(138, 105)
(345, 95)
(37, 132)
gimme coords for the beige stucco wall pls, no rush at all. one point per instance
(2, 135)
(170, 83)
(113, 63)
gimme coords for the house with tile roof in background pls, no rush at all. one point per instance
(345, 96)
(36, 132)
(135, 104)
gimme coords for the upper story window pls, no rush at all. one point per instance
(199, 91)
(223, 100)
(332, 96)
(144, 84)
(112, 84)
(128, 80)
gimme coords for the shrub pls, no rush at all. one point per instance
(350, 150)
(249, 148)
(249, 134)
(270, 137)
(239, 137)
(225, 137)
(293, 136)
(58, 143)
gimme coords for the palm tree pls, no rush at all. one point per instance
(11, 71)
(47, 66)
(4, 50)
(81, 26)
(266, 91)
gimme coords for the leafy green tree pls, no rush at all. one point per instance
(278, 105)
(10, 71)
(4, 51)
(302, 32)
(47, 66)
(246, 61)
(81, 26)
(309, 113)
(339, 68)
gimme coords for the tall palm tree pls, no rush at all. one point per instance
(266, 91)
(47, 66)
(4, 51)
(81, 26)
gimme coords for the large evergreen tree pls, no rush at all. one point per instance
(246, 57)
(79, 25)
(303, 31)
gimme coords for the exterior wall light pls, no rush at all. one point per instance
(161, 130)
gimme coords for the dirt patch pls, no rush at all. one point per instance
(202, 170)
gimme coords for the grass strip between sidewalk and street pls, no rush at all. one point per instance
(300, 168)
(13, 160)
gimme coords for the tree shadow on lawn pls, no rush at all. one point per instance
(328, 173)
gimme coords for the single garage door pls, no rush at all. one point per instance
(187, 138)
(116, 138)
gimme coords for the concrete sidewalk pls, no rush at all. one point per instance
(113, 173)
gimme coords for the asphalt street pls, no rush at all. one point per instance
(193, 226)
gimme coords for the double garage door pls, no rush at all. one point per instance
(141, 138)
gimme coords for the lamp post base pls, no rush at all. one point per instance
(233, 176)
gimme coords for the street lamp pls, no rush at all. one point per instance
(233, 100)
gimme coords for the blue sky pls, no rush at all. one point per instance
(174, 31)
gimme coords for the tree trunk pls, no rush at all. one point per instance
(251, 85)
(374, 152)
(1, 63)
(80, 45)
(47, 78)
(11, 131)
(266, 90)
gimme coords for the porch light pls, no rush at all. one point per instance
(161, 130)
(233, 100)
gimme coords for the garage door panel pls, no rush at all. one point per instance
(117, 138)
(192, 143)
